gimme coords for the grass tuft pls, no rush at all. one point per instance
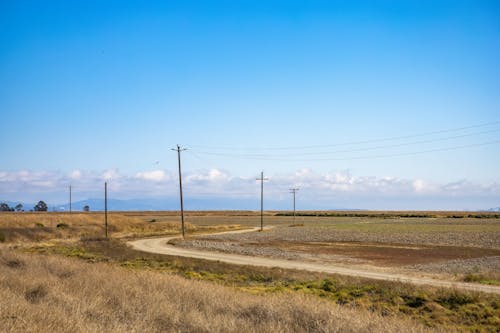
(36, 294)
(481, 278)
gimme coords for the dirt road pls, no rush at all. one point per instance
(161, 246)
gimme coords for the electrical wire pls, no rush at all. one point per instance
(351, 150)
(358, 157)
(458, 129)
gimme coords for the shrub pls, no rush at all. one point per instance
(415, 301)
(471, 277)
(39, 225)
(2, 237)
(328, 285)
(62, 225)
(455, 299)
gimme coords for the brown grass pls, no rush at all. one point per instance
(41, 226)
(45, 293)
(445, 308)
(51, 287)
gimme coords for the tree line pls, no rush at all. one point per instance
(41, 206)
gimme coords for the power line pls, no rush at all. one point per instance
(457, 129)
(191, 153)
(351, 150)
(270, 158)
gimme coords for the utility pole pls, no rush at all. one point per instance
(294, 191)
(262, 179)
(70, 198)
(106, 208)
(179, 149)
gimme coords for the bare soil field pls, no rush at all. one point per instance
(449, 246)
(465, 232)
(376, 253)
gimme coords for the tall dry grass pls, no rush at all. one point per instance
(17, 227)
(53, 294)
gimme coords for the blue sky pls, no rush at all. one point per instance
(100, 88)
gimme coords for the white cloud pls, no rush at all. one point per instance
(211, 175)
(25, 177)
(155, 175)
(420, 186)
(110, 174)
(43, 183)
(75, 174)
(315, 187)
(334, 183)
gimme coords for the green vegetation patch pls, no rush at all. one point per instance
(481, 278)
(68, 251)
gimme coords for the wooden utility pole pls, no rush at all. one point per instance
(106, 208)
(294, 191)
(70, 198)
(262, 179)
(179, 149)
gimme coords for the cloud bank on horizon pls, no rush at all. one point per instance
(329, 190)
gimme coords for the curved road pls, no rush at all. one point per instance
(161, 246)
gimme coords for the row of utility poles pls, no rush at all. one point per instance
(262, 179)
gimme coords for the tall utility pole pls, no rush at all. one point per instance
(179, 149)
(262, 179)
(106, 208)
(294, 191)
(70, 198)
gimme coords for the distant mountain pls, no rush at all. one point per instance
(120, 205)
(190, 203)
(153, 204)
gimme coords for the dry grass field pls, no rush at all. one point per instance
(104, 285)
(35, 227)
(53, 294)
